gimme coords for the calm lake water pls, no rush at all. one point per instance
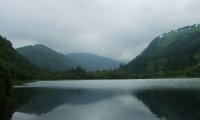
(159, 99)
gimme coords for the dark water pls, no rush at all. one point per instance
(172, 99)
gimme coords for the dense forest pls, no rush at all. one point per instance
(18, 66)
(176, 53)
(173, 54)
(5, 93)
(21, 69)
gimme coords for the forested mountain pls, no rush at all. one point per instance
(177, 51)
(45, 57)
(18, 66)
(12, 66)
(92, 62)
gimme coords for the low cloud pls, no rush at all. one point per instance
(119, 29)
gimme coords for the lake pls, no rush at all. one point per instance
(143, 99)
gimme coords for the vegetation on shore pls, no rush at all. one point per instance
(174, 54)
(5, 93)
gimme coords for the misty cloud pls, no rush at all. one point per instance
(120, 29)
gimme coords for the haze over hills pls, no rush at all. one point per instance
(176, 53)
(45, 57)
(92, 62)
(177, 50)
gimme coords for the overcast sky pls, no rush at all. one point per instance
(120, 29)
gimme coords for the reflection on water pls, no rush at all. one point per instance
(150, 103)
(55, 104)
(172, 104)
(39, 101)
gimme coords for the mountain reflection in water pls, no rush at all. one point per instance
(47, 103)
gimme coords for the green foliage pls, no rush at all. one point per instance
(46, 58)
(173, 54)
(20, 68)
(5, 93)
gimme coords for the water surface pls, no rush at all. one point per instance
(159, 99)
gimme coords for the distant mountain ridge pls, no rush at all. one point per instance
(174, 51)
(45, 57)
(92, 62)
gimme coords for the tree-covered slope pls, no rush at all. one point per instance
(5, 93)
(12, 66)
(177, 50)
(92, 62)
(45, 57)
(18, 66)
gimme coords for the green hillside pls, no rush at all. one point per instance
(176, 52)
(45, 57)
(18, 66)
(12, 66)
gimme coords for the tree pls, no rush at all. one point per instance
(5, 93)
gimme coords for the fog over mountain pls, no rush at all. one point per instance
(119, 29)
(92, 62)
(45, 57)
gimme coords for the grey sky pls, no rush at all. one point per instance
(120, 29)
